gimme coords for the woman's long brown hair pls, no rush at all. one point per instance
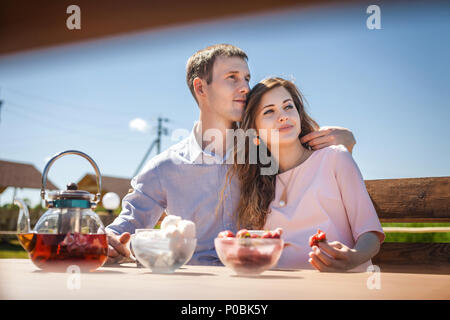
(258, 191)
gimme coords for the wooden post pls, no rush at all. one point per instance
(14, 195)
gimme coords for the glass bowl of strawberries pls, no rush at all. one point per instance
(249, 252)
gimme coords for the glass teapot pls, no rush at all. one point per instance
(69, 233)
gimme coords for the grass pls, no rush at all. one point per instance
(442, 237)
(11, 249)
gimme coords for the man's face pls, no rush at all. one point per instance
(227, 92)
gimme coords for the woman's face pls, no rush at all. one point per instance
(277, 112)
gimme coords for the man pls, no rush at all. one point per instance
(185, 180)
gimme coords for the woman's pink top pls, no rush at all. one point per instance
(326, 192)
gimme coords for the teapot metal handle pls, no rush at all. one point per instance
(79, 153)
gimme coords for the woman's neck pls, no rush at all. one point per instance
(290, 156)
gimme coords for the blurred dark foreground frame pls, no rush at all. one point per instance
(27, 24)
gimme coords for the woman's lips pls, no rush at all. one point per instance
(283, 129)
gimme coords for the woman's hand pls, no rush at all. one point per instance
(337, 257)
(329, 136)
(334, 257)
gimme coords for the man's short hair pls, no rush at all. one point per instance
(200, 64)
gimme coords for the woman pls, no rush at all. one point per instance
(312, 190)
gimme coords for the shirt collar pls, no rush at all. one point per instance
(196, 153)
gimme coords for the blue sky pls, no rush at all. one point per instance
(391, 87)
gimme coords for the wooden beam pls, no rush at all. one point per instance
(411, 200)
(400, 253)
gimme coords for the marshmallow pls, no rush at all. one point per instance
(170, 220)
(172, 232)
(187, 228)
(157, 234)
(164, 260)
(164, 254)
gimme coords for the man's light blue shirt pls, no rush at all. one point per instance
(185, 181)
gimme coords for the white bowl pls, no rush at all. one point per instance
(160, 254)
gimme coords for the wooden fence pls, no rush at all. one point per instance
(413, 200)
(424, 200)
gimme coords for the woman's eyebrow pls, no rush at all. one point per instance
(272, 105)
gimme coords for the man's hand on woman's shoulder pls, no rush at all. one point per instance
(330, 136)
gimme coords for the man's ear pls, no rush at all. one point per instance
(199, 86)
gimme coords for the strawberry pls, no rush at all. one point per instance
(277, 233)
(313, 241)
(225, 234)
(267, 234)
(253, 236)
(243, 233)
(320, 236)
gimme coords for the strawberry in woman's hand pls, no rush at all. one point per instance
(320, 236)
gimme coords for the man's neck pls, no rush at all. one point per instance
(211, 133)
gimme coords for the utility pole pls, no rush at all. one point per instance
(161, 131)
(1, 102)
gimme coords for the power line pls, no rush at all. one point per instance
(75, 129)
(84, 112)
(53, 101)
(87, 120)
(69, 129)
(67, 105)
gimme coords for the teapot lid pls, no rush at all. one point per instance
(71, 198)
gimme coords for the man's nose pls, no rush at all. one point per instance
(245, 88)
